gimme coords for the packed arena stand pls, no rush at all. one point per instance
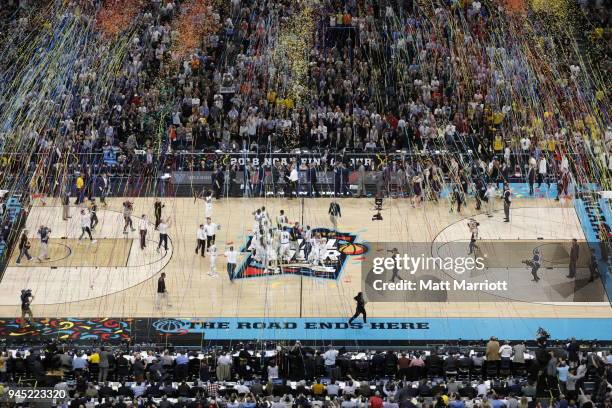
(501, 374)
(449, 97)
(378, 78)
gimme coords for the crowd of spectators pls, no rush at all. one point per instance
(380, 79)
(499, 376)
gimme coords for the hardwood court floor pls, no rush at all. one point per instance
(74, 252)
(193, 293)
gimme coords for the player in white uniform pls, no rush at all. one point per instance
(86, 225)
(255, 247)
(265, 214)
(208, 205)
(313, 256)
(281, 220)
(262, 252)
(285, 246)
(212, 252)
(258, 217)
(211, 229)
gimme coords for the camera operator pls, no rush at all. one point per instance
(26, 301)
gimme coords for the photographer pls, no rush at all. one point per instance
(43, 253)
(473, 227)
(26, 300)
(535, 265)
(24, 246)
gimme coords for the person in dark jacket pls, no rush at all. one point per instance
(360, 310)
(334, 213)
(311, 175)
(125, 391)
(218, 179)
(24, 246)
(157, 209)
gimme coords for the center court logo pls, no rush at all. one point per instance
(333, 252)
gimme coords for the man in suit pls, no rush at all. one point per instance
(507, 196)
(312, 180)
(24, 246)
(157, 209)
(259, 185)
(65, 206)
(334, 213)
(218, 179)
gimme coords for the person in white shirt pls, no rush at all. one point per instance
(86, 225)
(349, 389)
(525, 145)
(265, 218)
(212, 252)
(224, 367)
(201, 237)
(490, 195)
(142, 229)
(293, 179)
(232, 258)
(258, 217)
(330, 359)
(163, 234)
(272, 371)
(505, 351)
(542, 172)
(211, 232)
(241, 389)
(481, 389)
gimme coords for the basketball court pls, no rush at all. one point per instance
(115, 277)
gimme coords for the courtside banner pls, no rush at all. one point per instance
(200, 331)
(378, 329)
